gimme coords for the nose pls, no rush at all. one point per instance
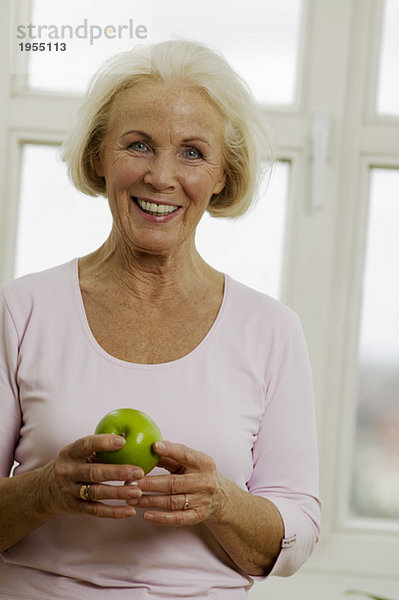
(161, 172)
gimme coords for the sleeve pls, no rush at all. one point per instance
(10, 419)
(285, 453)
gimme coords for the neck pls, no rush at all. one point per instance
(149, 277)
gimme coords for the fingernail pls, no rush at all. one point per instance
(131, 483)
(118, 441)
(160, 446)
(148, 516)
(136, 474)
(135, 493)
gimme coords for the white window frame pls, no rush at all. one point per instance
(324, 254)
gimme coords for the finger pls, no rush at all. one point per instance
(101, 491)
(176, 502)
(173, 519)
(100, 472)
(184, 455)
(86, 446)
(104, 511)
(190, 483)
(170, 465)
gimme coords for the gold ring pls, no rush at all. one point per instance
(84, 491)
(185, 507)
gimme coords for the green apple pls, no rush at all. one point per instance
(139, 431)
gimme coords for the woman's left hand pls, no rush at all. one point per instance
(193, 491)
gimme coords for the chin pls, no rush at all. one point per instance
(156, 247)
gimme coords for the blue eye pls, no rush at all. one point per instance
(193, 153)
(140, 146)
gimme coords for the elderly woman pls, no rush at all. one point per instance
(166, 132)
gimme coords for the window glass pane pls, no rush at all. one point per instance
(56, 223)
(388, 84)
(260, 38)
(250, 248)
(91, 31)
(376, 481)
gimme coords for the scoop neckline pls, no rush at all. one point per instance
(125, 363)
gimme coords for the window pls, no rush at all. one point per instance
(89, 41)
(251, 248)
(55, 222)
(375, 482)
(261, 39)
(92, 31)
(388, 88)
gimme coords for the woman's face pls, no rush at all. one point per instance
(162, 162)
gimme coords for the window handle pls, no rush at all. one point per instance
(320, 136)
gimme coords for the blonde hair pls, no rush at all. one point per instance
(247, 149)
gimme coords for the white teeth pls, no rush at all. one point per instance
(155, 209)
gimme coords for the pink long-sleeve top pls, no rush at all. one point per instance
(242, 396)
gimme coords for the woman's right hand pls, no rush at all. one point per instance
(60, 481)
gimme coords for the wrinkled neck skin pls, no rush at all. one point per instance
(149, 277)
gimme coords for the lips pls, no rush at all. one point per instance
(153, 208)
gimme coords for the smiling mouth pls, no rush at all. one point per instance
(152, 208)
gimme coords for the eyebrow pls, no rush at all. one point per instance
(146, 136)
(196, 138)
